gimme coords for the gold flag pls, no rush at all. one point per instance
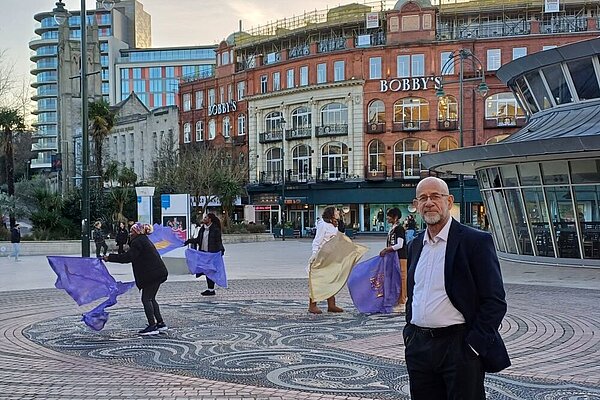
(331, 267)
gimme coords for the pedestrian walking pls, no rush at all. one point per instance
(15, 240)
(121, 237)
(456, 302)
(149, 272)
(209, 239)
(396, 241)
(327, 228)
(99, 239)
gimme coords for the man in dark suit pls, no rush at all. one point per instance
(455, 303)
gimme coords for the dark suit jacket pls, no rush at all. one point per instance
(474, 286)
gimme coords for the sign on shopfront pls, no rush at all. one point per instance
(409, 84)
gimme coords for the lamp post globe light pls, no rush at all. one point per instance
(282, 123)
(448, 68)
(61, 16)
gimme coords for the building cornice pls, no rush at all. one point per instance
(310, 88)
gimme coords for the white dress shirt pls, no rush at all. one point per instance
(431, 307)
(325, 231)
(204, 244)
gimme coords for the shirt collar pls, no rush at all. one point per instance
(442, 235)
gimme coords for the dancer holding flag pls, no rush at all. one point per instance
(396, 242)
(333, 256)
(208, 240)
(149, 272)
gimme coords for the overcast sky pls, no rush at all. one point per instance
(174, 22)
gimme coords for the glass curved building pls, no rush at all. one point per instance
(541, 186)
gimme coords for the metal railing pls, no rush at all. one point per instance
(332, 130)
(273, 136)
(298, 133)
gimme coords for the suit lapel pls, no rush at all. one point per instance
(451, 247)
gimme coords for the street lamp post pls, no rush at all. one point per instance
(462, 55)
(61, 15)
(282, 123)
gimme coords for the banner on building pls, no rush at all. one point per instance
(372, 20)
(551, 6)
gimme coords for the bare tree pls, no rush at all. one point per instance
(7, 79)
(207, 173)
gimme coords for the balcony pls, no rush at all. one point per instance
(376, 173)
(375, 127)
(239, 140)
(332, 175)
(299, 177)
(270, 178)
(505, 122)
(332, 130)
(298, 133)
(447, 125)
(410, 126)
(44, 145)
(273, 136)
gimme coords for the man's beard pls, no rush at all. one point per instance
(432, 219)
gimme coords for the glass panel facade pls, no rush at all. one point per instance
(584, 78)
(558, 84)
(546, 209)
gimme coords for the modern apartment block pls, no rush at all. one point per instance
(126, 25)
(343, 103)
(154, 74)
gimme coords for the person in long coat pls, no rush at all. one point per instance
(208, 239)
(149, 272)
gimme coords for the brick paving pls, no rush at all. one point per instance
(553, 336)
(552, 331)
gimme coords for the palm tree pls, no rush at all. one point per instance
(10, 121)
(102, 120)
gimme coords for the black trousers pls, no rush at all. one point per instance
(443, 367)
(120, 250)
(209, 282)
(151, 307)
(101, 245)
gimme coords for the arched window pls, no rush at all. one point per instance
(376, 112)
(504, 108)
(334, 114)
(187, 132)
(407, 157)
(226, 127)
(273, 167)
(273, 122)
(301, 118)
(334, 161)
(447, 109)
(301, 163)
(447, 143)
(376, 156)
(241, 125)
(199, 131)
(496, 139)
(212, 129)
(411, 109)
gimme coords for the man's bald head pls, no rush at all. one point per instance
(434, 183)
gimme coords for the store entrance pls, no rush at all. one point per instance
(301, 220)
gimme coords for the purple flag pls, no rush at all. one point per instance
(86, 280)
(374, 284)
(165, 239)
(209, 264)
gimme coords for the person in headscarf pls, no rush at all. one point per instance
(149, 272)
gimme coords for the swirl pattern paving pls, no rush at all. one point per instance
(276, 344)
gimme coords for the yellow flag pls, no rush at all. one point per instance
(332, 265)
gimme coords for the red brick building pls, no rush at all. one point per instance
(338, 106)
